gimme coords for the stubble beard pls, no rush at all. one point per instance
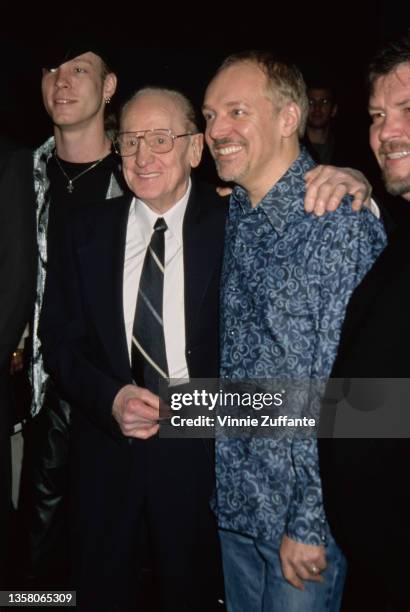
(397, 187)
(234, 177)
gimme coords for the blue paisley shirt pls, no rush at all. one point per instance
(286, 280)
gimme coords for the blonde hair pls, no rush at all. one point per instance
(285, 81)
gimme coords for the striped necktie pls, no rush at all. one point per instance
(148, 354)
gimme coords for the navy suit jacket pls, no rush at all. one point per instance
(82, 325)
(85, 349)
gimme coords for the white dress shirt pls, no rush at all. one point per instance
(141, 221)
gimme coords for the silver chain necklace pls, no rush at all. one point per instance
(70, 185)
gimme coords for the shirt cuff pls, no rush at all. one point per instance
(372, 206)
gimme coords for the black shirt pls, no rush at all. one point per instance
(91, 186)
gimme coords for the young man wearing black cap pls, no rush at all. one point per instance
(74, 166)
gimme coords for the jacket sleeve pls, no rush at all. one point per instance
(68, 345)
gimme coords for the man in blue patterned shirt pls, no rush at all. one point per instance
(287, 277)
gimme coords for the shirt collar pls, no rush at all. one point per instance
(173, 217)
(283, 202)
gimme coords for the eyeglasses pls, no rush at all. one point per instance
(158, 141)
(320, 101)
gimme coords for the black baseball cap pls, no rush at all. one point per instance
(64, 52)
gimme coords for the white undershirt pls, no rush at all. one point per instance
(141, 221)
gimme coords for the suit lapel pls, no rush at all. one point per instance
(203, 233)
(102, 263)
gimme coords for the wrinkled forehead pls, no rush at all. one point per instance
(148, 112)
(243, 80)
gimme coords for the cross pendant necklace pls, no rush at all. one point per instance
(70, 181)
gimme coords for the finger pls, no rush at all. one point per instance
(144, 413)
(312, 572)
(315, 578)
(302, 572)
(147, 397)
(318, 194)
(132, 417)
(130, 430)
(223, 191)
(138, 407)
(359, 199)
(290, 575)
(316, 563)
(324, 195)
(310, 197)
(335, 197)
(319, 207)
(144, 434)
(135, 420)
(313, 174)
(128, 425)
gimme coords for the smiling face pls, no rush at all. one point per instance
(74, 93)
(252, 141)
(159, 179)
(389, 108)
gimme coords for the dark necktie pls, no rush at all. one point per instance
(148, 355)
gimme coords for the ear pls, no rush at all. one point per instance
(334, 111)
(110, 85)
(290, 119)
(197, 146)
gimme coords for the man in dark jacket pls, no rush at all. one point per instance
(365, 481)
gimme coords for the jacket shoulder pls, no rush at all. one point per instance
(207, 199)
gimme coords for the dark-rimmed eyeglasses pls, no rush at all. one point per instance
(158, 141)
(320, 101)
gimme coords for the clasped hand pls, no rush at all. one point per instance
(136, 411)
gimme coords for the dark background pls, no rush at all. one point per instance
(181, 48)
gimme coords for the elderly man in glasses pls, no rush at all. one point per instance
(129, 485)
(133, 300)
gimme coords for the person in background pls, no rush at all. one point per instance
(320, 138)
